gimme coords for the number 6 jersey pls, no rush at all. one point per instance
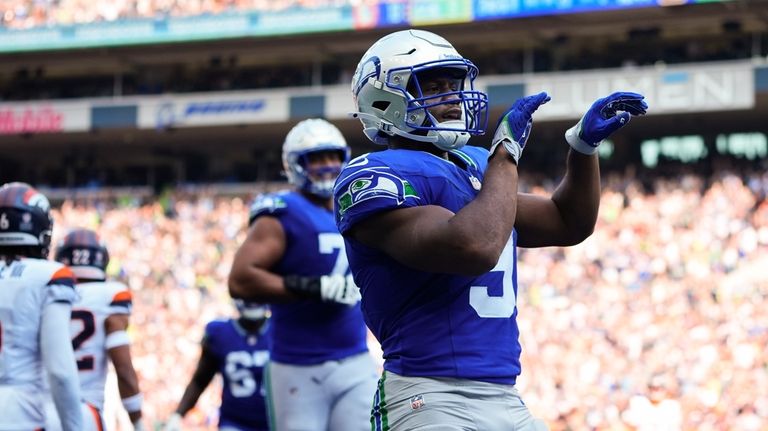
(429, 324)
(27, 286)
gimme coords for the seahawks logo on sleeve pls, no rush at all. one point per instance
(373, 183)
(264, 205)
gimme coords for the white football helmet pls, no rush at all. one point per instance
(386, 107)
(310, 136)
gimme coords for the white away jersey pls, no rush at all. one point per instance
(98, 300)
(26, 287)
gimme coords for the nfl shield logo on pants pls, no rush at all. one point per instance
(417, 402)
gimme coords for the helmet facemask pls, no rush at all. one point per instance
(252, 311)
(317, 181)
(442, 88)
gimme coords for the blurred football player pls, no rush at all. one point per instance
(98, 330)
(238, 349)
(320, 376)
(36, 297)
(432, 227)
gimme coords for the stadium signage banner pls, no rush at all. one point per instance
(254, 23)
(44, 117)
(672, 89)
(213, 109)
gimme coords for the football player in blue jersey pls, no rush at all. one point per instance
(238, 349)
(321, 376)
(432, 228)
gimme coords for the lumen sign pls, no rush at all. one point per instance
(691, 88)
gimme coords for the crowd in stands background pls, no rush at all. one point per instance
(20, 14)
(662, 313)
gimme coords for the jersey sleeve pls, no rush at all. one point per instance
(273, 204)
(121, 301)
(370, 188)
(61, 287)
(209, 335)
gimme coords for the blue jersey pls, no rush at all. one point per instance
(310, 332)
(430, 324)
(241, 357)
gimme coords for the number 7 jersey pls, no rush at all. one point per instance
(310, 332)
(429, 324)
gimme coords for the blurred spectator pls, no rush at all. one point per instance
(662, 312)
(20, 14)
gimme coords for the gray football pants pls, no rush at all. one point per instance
(332, 396)
(443, 404)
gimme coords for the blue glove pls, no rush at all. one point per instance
(514, 126)
(602, 119)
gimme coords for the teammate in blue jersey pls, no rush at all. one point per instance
(238, 349)
(321, 376)
(432, 228)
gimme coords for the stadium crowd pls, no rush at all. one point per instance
(19, 14)
(659, 321)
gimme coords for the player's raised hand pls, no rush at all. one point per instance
(515, 125)
(604, 117)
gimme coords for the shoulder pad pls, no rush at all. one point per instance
(214, 325)
(122, 298)
(63, 277)
(267, 204)
(373, 183)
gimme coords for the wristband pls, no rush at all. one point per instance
(133, 403)
(578, 144)
(308, 287)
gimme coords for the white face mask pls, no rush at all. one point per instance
(254, 313)
(448, 140)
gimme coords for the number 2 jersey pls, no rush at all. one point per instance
(26, 287)
(309, 332)
(241, 357)
(98, 300)
(430, 324)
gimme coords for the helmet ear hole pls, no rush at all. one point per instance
(381, 105)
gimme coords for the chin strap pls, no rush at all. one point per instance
(390, 129)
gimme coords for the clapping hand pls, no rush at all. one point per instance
(604, 117)
(515, 125)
